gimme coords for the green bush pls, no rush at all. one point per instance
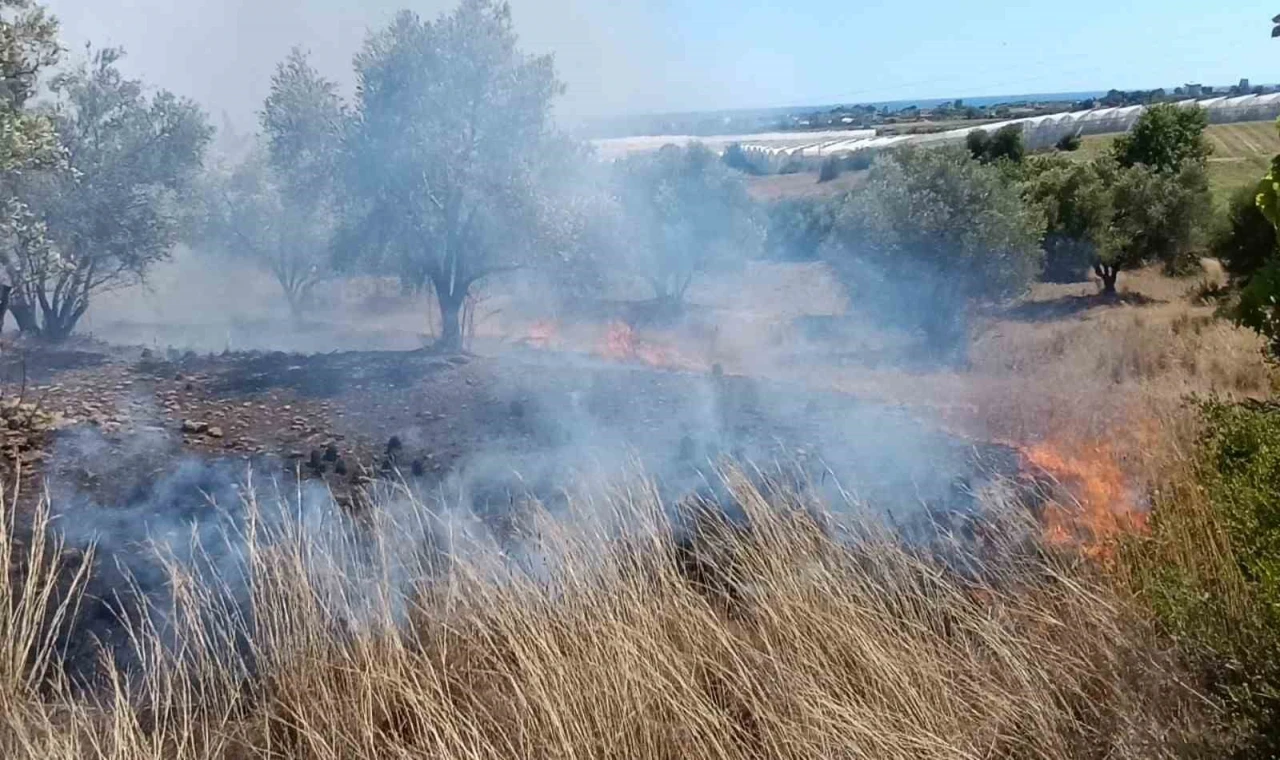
(797, 228)
(735, 157)
(1069, 143)
(1244, 240)
(1257, 308)
(1165, 138)
(1005, 144)
(1075, 197)
(1211, 567)
(830, 169)
(932, 233)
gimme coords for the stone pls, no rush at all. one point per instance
(193, 427)
(216, 432)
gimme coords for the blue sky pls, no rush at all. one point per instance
(634, 56)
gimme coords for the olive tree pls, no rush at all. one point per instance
(279, 207)
(120, 204)
(932, 232)
(450, 123)
(685, 212)
(1165, 138)
(1076, 200)
(28, 46)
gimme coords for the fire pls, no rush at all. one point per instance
(543, 334)
(621, 344)
(1101, 508)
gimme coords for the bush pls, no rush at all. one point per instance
(1259, 305)
(1075, 199)
(978, 141)
(797, 228)
(1006, 143)
(1165, 137)
(1069, 143)
(931, 233)
(1211, 567)
(1160, 217)
(860, 161)
(735, 157)
(831, 169)
(1244, 240)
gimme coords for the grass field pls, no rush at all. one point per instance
(1241, 153)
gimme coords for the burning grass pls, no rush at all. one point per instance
(808, 640)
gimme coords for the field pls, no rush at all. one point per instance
(510, 578)
(1242, 153)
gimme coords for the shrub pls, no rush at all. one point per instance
(1159, 217)
(1211, 568)
(736, 158)
(1069, 143)
(1165, 137)
(1259, 304)
(1006, 143)
(931, 233)
(1075, 199)
(830, 169)
(1244, 240)
(797, 228)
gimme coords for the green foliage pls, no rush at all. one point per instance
(121, 205)
(1165, 137)
(688, 213)
(736, 158)
(1075, 198)
(279, 206)
(1158, 217)
(448, 140)
(830, 169)
(1223, 600)
(978, 142)
(797, 228)
(1244, 240)
(1259, 305)
(934, 231)
(1069, 143)
(28, 143)
(1006, 144)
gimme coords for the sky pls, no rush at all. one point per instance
(638, 56)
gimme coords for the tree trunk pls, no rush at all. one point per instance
(1108, 274)
(6, 292)
(25, 316)
(450, 321)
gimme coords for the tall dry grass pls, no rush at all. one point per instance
(810, 634)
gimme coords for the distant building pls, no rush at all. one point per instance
(1194, 90)
(1244, 86)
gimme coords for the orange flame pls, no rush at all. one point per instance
(1101, 507)
(621, 344)
(543, 334)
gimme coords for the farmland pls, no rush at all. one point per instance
(1241, 153)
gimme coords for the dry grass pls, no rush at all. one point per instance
(809, 641)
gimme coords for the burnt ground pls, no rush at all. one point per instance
(123, 417)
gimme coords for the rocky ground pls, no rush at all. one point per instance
(528, 418)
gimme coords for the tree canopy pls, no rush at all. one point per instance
(118, 207)
(1165, 137)
(449, 125)
(685, 212)
(1075, 197)
(280, 206)
(932, 231)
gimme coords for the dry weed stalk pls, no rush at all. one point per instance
(816, 637)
